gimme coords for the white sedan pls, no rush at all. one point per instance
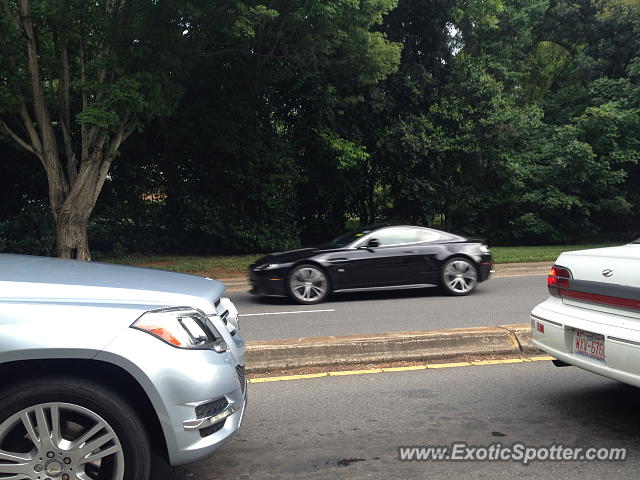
(592, 316)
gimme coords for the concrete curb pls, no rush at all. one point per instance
(279, 355)
(241, 284)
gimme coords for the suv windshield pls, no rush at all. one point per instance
(347, 238)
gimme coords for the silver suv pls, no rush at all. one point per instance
(100, 364)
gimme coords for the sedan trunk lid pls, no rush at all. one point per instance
(604, 279)
(612, 265)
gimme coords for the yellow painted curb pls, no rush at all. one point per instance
(404, 369)
(498, 362)
(287, 377)
(540, 358)
(355, 372)
(448, 365)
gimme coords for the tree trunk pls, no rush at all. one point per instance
(71, 235)
(371, 201)
(74, 185)
(364, 215)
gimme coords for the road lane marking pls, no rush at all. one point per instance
(432, 366)
(285, 313)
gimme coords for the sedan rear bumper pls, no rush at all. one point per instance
(554, 332)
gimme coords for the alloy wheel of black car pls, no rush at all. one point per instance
(308, 284)
(459, 276)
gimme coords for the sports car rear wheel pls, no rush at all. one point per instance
(459, 276)
(308, 284)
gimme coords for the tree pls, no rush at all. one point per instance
(77, 79)
(245, 163)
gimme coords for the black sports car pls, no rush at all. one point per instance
(380, 257)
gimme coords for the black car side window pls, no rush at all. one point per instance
(427, 236)
(396, 236)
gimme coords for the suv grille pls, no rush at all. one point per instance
(205, 432)
(208, 410)
(241, 377)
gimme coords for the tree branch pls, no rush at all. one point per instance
(126, 129)
(18, 140)
(64, 84)
(31, 129)
(47, 135)
(64, 106)
(84, 152)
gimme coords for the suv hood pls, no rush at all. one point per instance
(31, 279)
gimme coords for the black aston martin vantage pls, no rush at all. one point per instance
(380, 257)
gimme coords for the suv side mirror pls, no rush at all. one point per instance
(373, 243)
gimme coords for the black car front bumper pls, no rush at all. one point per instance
(268, 283)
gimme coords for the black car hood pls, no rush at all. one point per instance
(290, 256)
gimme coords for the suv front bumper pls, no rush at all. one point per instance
(186, 386)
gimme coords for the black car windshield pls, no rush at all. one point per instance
(347, 238)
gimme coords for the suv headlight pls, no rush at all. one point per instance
(232, 317)
(182, 327)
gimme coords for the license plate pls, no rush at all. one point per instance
(590, 345)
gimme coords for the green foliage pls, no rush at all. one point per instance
(273, 124)
(540, 253)
(29, 231)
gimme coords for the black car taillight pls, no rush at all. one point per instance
(558, 278)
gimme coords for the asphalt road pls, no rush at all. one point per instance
(350, 427)
(497, 301)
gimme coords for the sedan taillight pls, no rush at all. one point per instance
(558, 278)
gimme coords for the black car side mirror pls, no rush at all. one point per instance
(373, 243)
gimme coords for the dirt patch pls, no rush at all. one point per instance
(163, 263)
(214, 272)
(222, 272)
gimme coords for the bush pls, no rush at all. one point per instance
(31, 232)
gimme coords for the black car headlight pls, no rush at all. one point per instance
(267, 266)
